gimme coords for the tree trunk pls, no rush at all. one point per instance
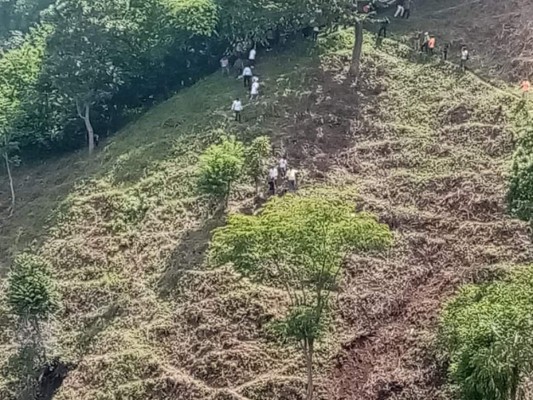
(308, 350)
(357, 49)
(88, 125)
(11, 186)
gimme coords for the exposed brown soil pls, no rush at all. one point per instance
(450, 223)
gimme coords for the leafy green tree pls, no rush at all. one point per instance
(220, 165)
(32, 298)
(19, 70)
(257, 155)
(299, 243)
(486, 333)
(199, 17)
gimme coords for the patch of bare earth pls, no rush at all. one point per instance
(440, 186)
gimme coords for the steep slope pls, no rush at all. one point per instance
(144, 318)
(498, 33)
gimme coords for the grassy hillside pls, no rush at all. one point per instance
(421, 145)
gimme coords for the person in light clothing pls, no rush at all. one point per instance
(247, 75)
(272, 180)
(291, 177)
(252, 55)
(464, 57)
(254, 91)
(236, 107)
(283, 167)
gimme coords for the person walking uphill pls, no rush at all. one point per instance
(525, 85)
(291, 177)
(224, 65)
(236, 107)
(254, 91)
(247, 76)
(431, 44)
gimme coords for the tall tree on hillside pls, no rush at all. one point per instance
(82, 57)
(19, 70)
(298, 243)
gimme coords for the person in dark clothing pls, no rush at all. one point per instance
(425, 43)
(445, 51)
(406, 9)
(96, 140)
(383, 27)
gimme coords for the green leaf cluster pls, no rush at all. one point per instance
(220, 165)
(486, 333)
(520, 194)
(199, 17)
(31, 292)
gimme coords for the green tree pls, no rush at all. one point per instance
(298, 243)
(257, 155)
(32, 298)
(220, 165)
(199, 17)
(486, 333)
(19, 71)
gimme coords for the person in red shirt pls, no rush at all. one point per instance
(525, 85)
(431, 44)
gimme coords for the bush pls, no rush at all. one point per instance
(486, 334)
(520, 195)
(220, 166)
(31, 292)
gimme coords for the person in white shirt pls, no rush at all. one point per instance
(251, 56)
(283, 167)
(272, 180)
(236, 107)
(254, 91)
(247, 75)
(291, 177)
(464, 57)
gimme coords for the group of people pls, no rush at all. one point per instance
(282, 171)
(427, 43)
(244, 71)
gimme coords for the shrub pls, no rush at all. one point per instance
(31, 293)
(520, 195)
(486, 333)
(220, 165)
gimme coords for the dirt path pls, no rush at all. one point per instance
(429, 162)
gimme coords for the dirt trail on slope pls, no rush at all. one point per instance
(428, 148)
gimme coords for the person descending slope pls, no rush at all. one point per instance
(254, 91)
(283, 167)
(406, 9)
(465, 56)
(431, 44)
(291, 177)
(224, 65)
(399, 9)
(236, 107)
(272, 180)
(251, 56)
(525, 85)
(247, 76)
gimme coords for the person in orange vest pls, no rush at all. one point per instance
(431, 44)
(525, 85)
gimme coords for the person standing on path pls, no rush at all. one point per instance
(399, 9)
(525, 85)
(236, 107)
(382, 33)
(238, 66)
(406, 9)
(254, 91)
(247, 76)
(465, 56)
(291, 177)
(251, 56)
(425, 43)
(272, 180)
